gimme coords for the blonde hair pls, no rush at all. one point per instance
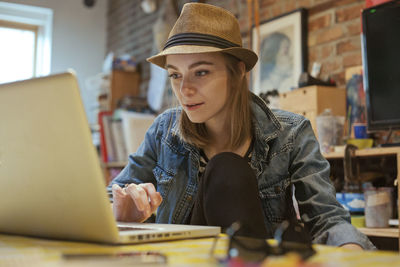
(238, 105)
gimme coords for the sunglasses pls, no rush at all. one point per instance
(290, 236)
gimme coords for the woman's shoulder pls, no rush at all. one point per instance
(285, 115)
(289, 119)
(271, 119)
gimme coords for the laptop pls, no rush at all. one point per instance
(51, 181)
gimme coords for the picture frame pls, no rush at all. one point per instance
(281, 46)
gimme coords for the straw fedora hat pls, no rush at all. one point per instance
(205, 28)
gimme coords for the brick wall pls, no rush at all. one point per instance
(333, 30)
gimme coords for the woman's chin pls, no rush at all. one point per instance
(195, 119)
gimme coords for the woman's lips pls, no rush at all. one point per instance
(192, 107)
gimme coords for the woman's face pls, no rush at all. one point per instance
(200, 83)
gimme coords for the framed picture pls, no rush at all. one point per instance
(281, 46)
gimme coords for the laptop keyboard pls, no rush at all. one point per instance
(127, 228)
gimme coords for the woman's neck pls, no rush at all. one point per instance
(218, 134)
(219, 142)
(215, 148)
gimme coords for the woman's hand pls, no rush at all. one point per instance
(135, 203)
(352, 246)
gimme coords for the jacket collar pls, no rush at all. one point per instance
(266, 128)
(266, 125)
(175, 132)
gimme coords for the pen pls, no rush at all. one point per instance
(131, 257)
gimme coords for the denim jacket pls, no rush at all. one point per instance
(285, 153)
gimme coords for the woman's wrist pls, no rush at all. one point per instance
(352, 246)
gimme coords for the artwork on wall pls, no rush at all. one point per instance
(281, 46)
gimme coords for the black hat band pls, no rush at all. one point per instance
(198, 39)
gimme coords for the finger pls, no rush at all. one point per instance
(117, 191)
(139, 197)
(155, 198)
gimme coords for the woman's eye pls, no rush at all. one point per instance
(173, 76)
(202, 72)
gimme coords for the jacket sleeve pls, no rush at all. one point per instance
(326, 220)
(141, 163)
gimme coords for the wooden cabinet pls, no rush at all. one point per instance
(311, 101)
(391, 232)
(123, 84)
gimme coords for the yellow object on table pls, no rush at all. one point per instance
(358, 220)
(361, 142)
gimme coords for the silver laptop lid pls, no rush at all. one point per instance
(46, 151)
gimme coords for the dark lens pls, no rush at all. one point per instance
(249, 249)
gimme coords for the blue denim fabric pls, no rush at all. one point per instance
(285, 152)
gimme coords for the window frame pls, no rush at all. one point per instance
(25, 27)
(32, 17)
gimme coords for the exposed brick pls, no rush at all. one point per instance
(352, 59)
(267, 3)
(332, 4)
(265, 14)
(353, 44)
(313, 54)
(318, 2)
(327, 51)
(304, 3)
(320, 22)
(289, 6)
(243, 24)
(276, 10)
(329, 34)
(354, 27)
(333, 65)
(348, 13)
(312, 39)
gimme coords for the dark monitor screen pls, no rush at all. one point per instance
(381, 64)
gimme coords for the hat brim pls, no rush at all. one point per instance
(247, 56)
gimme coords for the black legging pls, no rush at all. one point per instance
(227, 193)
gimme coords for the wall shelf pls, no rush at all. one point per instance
(380, 232)
(375, 151)
(392, 232)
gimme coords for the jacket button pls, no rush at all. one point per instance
(189, 198)
(277, 189)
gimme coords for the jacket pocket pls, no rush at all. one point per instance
(276, 200)
(164, 181)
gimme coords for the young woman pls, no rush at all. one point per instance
(223, 156)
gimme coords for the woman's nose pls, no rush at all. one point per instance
(187, 86)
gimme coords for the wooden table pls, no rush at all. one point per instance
(24, 251)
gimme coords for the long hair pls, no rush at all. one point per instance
(239, 124)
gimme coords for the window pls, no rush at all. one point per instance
(17, 51)
(25, 48)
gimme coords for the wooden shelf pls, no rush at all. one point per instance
(380, 232)
(333, 155)
(375, 151)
